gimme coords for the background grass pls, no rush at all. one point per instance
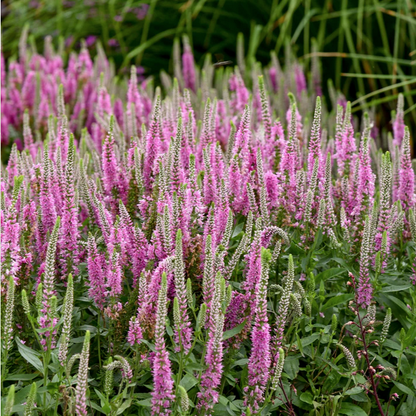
(367, 47)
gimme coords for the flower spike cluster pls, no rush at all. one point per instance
(166, 208)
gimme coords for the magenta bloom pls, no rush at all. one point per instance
(188, 66)
(162, 396)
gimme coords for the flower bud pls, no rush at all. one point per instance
(348, 356)
(378, 262)
(202, 315)
(108, 384)
(278, 369)
(334, 323)
(30, 402)
(228, 295)
(386, 325)
(25, 302)
(8, 408)
(184, 400)
(39, 297)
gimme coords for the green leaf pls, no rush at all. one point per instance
(395, 288)
(96, 407)
(237, 230)
(351, 409)
(188, 381)
(145, 403)
(241, 362)
(354, 390)
(80, 340)
(337, 300)
(149, 344)
(410, 336)
(234, 331)
(53, 387)
(18, 408)
(399, 310)
(101, 396)
(404, 389)
(107, 409)
(331, 381)
(307, 397)
(291, 367)
(399, 303)
(343, 263)
(392, 345)
(362, 397)
(123, 407)
(142, 47)
(29, 355)
(329, 273)
(22, 377)
(308, 340)
(295, 249)
(299, 342)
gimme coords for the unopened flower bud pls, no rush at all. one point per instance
(348, 356)
(25, 302)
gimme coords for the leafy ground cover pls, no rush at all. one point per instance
(226, 244)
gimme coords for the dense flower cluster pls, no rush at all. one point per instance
(148, 189)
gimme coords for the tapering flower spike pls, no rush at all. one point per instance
(68, 242)
(46, 199)
(346, 147)
(109, 162)
(208, 281)
(366, 177)
(330, 220)
(67, 316)
(205, 135)
(27, 135)
(365, 290)
(385, 199)
(153, 144)
(284, 305)
(407, 175)
(265, 113)
(133, 96)
(96, 266)
(188, 65)
(114, 276)
(125, 366)
(49, 277)
(183, 331)
(30, 402)
(8, 407)
(241, 93)
(81, 389)
(348, 356)
(310, 201)
(398, 124)
(211, 378)
(176, 168)
(262, 186)
(315, 140)
(7, 327)
(280, 360)
(162, 395)
(260, 358)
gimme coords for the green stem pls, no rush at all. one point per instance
(57, 401)
(34, 330)
(99, 343)
(4, 368)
